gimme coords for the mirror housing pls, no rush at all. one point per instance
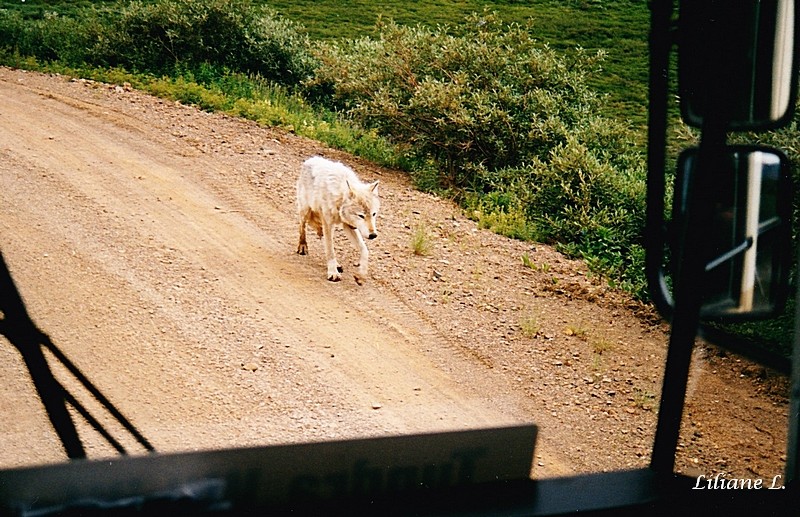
(747, 275)
(735, 62)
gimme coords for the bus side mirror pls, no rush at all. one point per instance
(735, 62)
(747, 274)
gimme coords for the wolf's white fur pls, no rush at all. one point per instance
(330, 193)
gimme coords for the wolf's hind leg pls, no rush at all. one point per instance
(302, 245)
(314, 220)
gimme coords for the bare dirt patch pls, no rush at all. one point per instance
(155, 244)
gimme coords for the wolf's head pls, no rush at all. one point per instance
(360, 209)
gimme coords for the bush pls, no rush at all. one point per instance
(52, 38)
(167, 37)
(581, 203)
(493, 99)
(162, 36)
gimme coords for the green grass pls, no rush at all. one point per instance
(421, 242)
(529, 325)
(37, 8)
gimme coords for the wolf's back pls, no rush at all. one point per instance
(322, 182)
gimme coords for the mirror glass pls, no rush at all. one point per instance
(750, 232)
(735, 62)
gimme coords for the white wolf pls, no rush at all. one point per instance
(330, 193)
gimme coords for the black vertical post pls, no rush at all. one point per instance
(689, 295)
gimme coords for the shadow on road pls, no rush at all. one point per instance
(18, 328)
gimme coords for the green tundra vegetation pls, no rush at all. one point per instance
(531, 114)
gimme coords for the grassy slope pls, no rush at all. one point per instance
(617, 26)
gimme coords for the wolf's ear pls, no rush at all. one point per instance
(349, 188)
(374, 187)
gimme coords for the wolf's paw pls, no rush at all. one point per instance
(335, 277)
(302, 249)
(361, 276)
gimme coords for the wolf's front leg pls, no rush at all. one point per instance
(334, 271)
(363, 261)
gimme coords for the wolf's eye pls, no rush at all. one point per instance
(361, 216)
(374, 214)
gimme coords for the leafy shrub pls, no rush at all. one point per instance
(579, 201)
(12, 26)
(491, 100)
(51, 38)
(158, 37)
(167, 37)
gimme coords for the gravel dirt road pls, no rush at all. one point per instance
(155, 244)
